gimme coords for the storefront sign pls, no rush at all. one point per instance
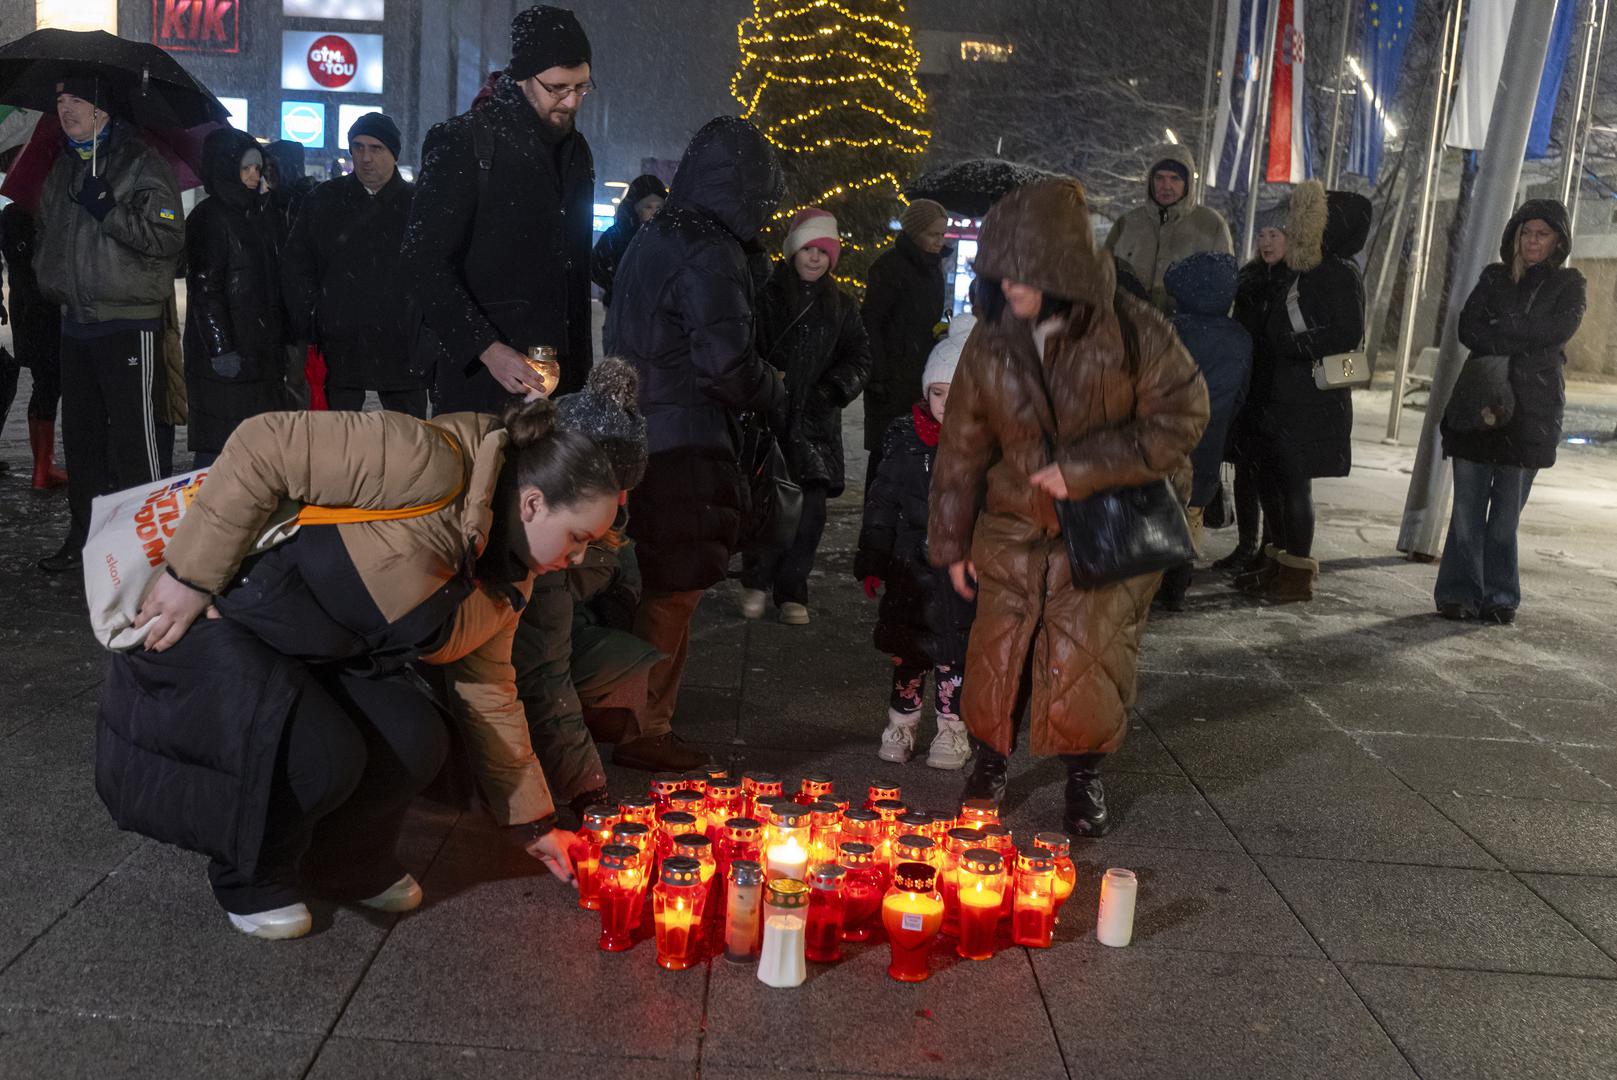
(304, 122)
(368, 10)
(197, 25)
(341, 63)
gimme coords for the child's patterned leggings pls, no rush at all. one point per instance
(909, 686)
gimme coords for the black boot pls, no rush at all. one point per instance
(69, 557)
(1175, 584)
(1086, 813)
(989, 769)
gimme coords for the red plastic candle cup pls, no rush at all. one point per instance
(663, 785)
(593, 835)
(881, 792)
(827, 911)
(621, 889)
(756, 786)
(982, 891)
(690, 802)
(1060, 849)
(812, 789)
(677, 903)
(975, 813)
(1033, 916)
(723, 803)
(695, 781)
(955, 845)
(638, 808)
(862, 890)
(912, 913)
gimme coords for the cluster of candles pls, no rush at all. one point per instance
(710, 865)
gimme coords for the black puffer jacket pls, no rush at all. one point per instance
(1530, 321)
(682, 313)
(234, 329)
(922, 618)
(512, 266)
(1288, 423)
(813, 333)
(609, 249)
(904, 302)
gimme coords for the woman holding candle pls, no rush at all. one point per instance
(1129, 405)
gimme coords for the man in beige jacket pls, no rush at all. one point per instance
(1169, 226)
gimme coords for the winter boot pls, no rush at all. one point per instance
(69, 557)
(659, 753)
(1293, 582)
(1236, 562)
(989, 775)
(1086, 813)
(42, 440)
(951, 748)
(1175, 584)
(898, 741)
(1254, 580)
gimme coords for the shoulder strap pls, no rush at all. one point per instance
(349, 515)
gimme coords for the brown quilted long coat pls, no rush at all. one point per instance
(1116, 424)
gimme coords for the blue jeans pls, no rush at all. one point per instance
(1478, 572)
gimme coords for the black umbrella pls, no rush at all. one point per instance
(970, 188)
(141, 80)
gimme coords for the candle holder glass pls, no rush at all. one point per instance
(827, 912)
(743, 911)
(676, 906)
(863, 887)
(975, 813)
(888, 810)
(695, 781)
(723, 803)
(813, 788)
(756, 786)
(1060, 849)
(959, 841)
(913, 847)
(639, 808)
(786, 846)
(1033, 915)
(912, 913)
(691, 802)
(982, 894)
(594, 833)
(675, 823)
(663, 786)
(825, 833)
(623, 886)
(880, 793)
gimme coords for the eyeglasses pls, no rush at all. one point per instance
(563, 92)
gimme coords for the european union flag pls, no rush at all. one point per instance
(1387, 25)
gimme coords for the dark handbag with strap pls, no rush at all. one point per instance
(1125, 532)
(775, 502)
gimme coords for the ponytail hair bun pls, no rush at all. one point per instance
(565, 465)
(529, 423)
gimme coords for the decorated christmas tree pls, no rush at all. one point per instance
(832, 84)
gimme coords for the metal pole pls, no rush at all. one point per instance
(1207, 98)
(1260, 128)
(1493, 199)
(1334, 157)
(1420, 254)
(1391, 256)
(1569, 155)
(1583, 148)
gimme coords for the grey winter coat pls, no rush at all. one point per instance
(1151, 238)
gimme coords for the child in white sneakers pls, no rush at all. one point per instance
(923, 624)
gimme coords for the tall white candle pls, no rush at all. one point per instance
(1115, 924)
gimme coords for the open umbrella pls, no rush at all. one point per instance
(181, 148)
(16, 126)
(139, 79)
(970, 188)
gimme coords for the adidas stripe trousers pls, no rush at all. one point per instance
(108, 427)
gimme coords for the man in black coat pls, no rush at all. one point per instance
(682, 313)
(341, 274)
(498, 245)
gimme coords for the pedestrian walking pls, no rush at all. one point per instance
(1304, 305)
(903, 309)
(923, 624)
(1129, 407)
(285, 734)
(1525, 307)
(36, 335)
(235, 354)
(1202, 287)
(498, 246)
(682, 314)
(111, 232)
(810, 331)
(1170, 226)
(343, 275)
(640, 203)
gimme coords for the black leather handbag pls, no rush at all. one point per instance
(775, 501)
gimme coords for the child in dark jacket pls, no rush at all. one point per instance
(1203, 289)
(923, 623)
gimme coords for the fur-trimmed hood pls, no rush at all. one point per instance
(1321, 223)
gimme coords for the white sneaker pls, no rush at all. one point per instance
(753, 602)
(403, 895)
(951, 749)
(277, 924)
(898, 741)
(794, 614)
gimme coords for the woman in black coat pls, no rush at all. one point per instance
(639, 205)
(1300, 309)
(234, 357)
(810, 331)
(1527, 306)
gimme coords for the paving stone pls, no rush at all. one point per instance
(1341, 823)
(1145, 1014)
(1168, 701)
(150, 943)
(341, 1058)
(1275, 754)
(881, 1027)
(1589, 903)
(1599, 761)
(1488, 767)
(1212, 900)
(1181, 655)
(51, 813)
(1443, 916)
(33, 895)
(1151, 811)
(1472, 1025)
(1412, 712)
(1537, 834)
(1557, 719)
(70, 1047)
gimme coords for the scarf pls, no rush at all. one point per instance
(88, 147)
(926, 428)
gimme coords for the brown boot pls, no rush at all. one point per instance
(1254, 580)
(42, 441)
(659, 753)
(1294, 582)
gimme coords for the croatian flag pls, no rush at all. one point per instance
(1244, 24)
(1289, 159)
(1386, 35)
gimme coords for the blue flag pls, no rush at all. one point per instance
(1387, 25)
(1549, 86)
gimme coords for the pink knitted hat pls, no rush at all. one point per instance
(815, 228)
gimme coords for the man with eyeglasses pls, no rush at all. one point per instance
(498, 244)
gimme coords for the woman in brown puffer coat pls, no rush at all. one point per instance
(1129, 407)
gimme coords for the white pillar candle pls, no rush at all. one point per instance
(1115, 924)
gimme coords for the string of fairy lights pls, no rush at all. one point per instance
(859, 67)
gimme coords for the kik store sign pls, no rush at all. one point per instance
(334, 63)
(212, 26)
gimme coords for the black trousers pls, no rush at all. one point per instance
(786, 572)
(356, 750)
(1288, 509)
(348, 399)
(109, 431)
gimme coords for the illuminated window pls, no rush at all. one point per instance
(991, 51)
(77, 15)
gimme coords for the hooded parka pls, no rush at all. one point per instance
(1203, 288)
(903, 306)
(609, 249)
(234, 328)
(1151, 238)
(1124, 416)
(1530, 321)
(682, 314)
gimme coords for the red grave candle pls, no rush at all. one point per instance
(622, 884)
(912, 912)
(1033, 919)
(982, 891)
(593, 835)
(827, 911)
(677, 904)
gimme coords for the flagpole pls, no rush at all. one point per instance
(1569, 153)
(1493, 199)
(1260, 127)
(1207, 98)
(1333, 158)
(1583, 147)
